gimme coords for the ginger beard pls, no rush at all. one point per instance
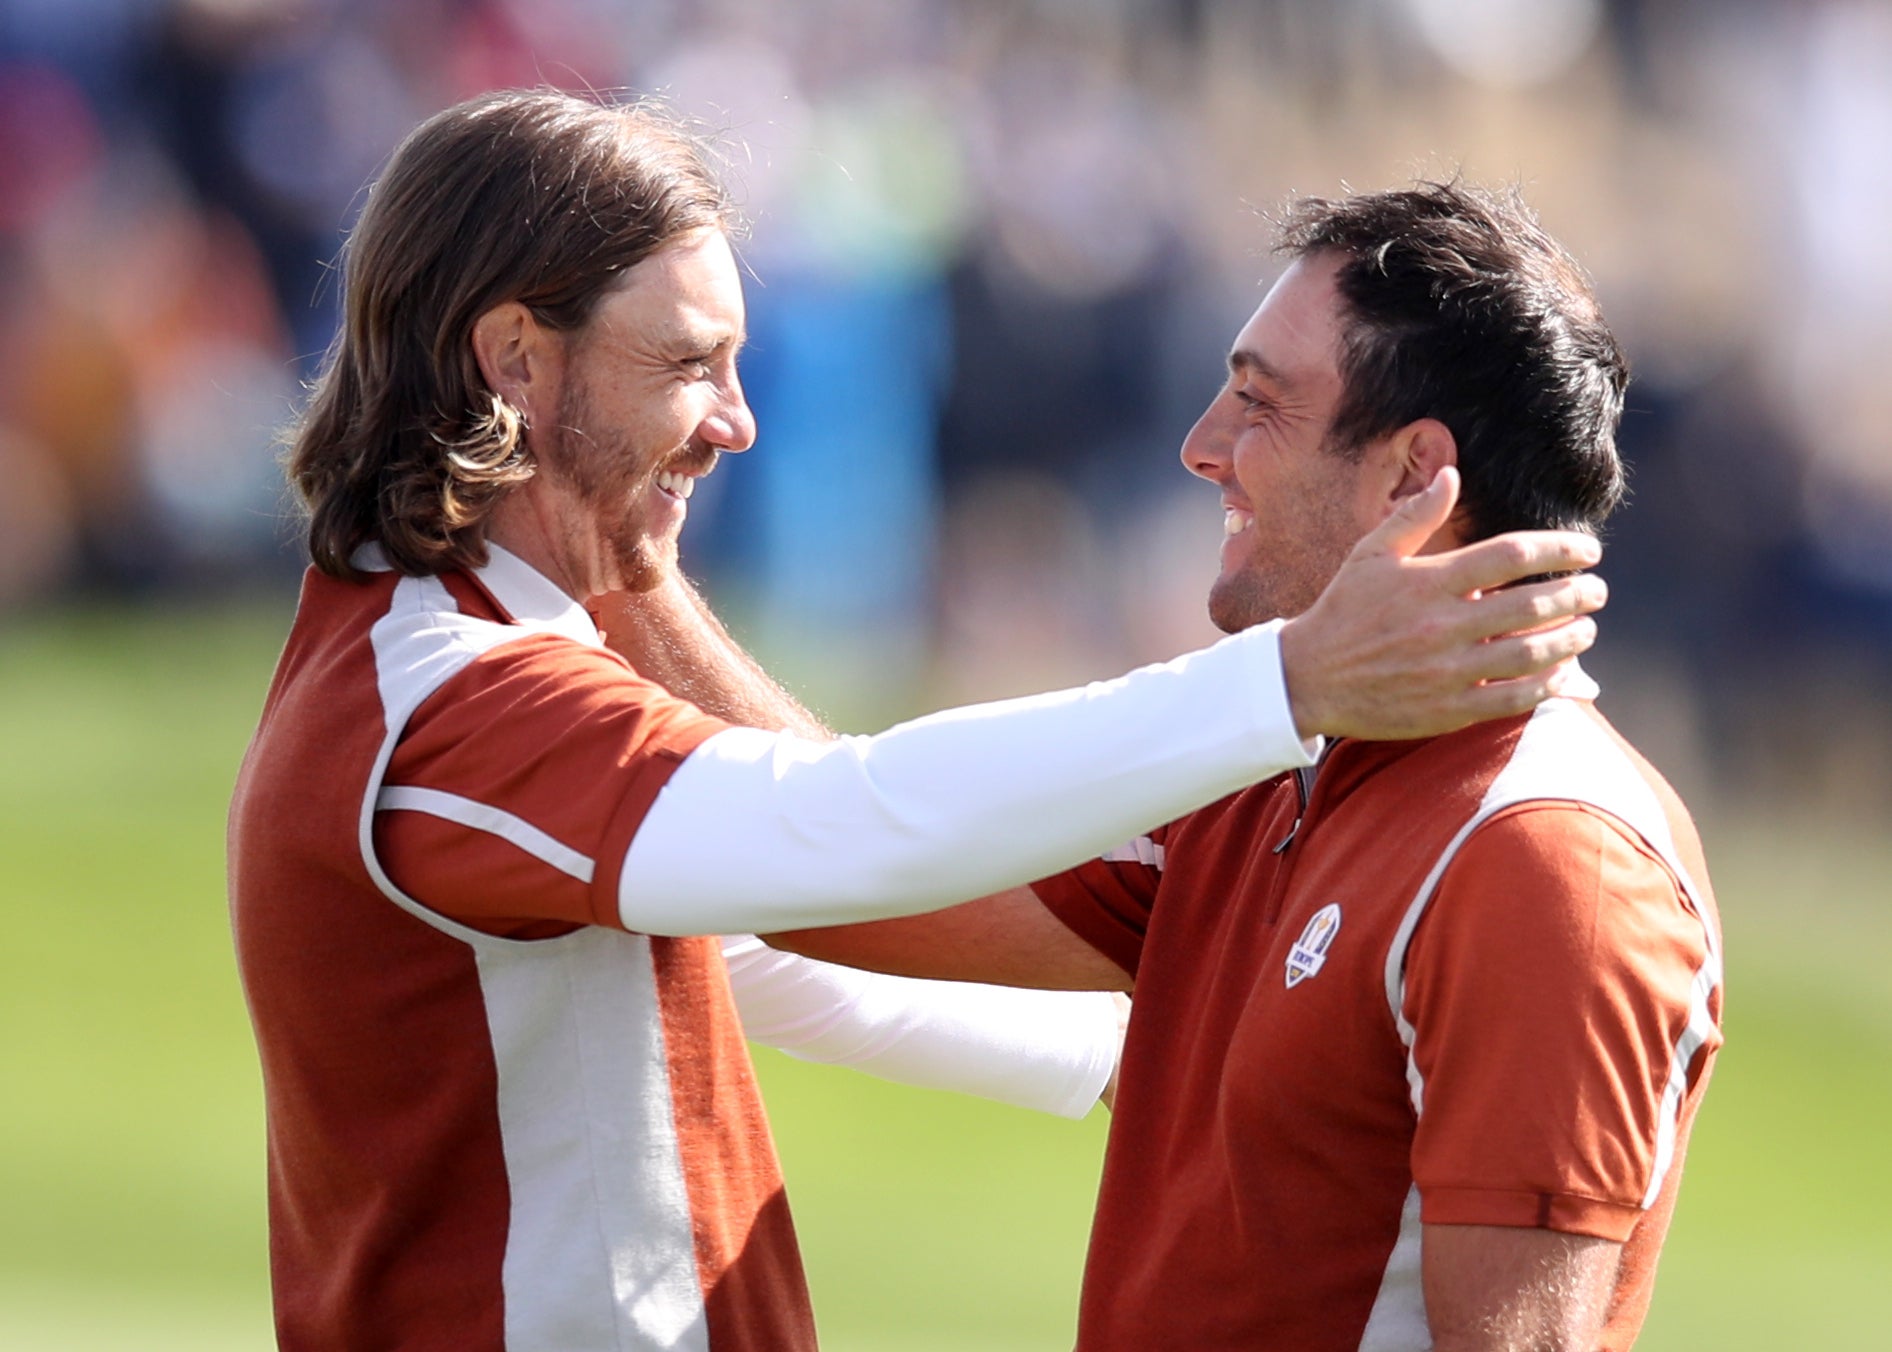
(611, 478)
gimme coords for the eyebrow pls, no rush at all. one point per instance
(698, 341)
(1246, 359)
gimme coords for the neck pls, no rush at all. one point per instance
(535, 525)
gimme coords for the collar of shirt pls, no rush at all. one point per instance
(1348, 762)
(530, 597)
(1580, 685)
(525, 594)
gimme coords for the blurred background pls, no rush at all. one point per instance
(997, 251)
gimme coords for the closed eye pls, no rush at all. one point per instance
(701, 364)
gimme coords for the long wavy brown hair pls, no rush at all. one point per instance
(539, 197)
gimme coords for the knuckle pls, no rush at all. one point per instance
(1519, 656)
(1517, 554)
(1541, 649)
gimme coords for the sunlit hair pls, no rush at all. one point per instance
(1459, 307)
(538, 197)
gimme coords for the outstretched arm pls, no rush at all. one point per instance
(1010, 938)
(764, 832)
(1399, 645)
(1054, 1051)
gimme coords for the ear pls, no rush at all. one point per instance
(1420, 450)
(519, 358)
(1414, 455)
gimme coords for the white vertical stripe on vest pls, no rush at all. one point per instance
(600, 1252)
(1397, 1322)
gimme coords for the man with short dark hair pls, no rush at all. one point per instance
(476, 856)
(1420, 1030)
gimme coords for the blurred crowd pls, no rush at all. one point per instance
(997, 249)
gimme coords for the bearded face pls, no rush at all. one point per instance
(646, 399)
(612, 472)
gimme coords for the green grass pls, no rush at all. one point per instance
(131, 1133)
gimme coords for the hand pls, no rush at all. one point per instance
(1409, 645)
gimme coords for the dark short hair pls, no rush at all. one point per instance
(1460, 307)
(539, 197)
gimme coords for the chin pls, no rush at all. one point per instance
(1234, 621)
(1236, 604)
(1242, 602)
(643, 563)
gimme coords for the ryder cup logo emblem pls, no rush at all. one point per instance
(1310, 950)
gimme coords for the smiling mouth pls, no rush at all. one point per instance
(676, 483)
(679, 481)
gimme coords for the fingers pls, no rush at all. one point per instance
(1415, 520)
(1403, 646)
(1520, 554)
(1529, 654)
(1534, 606)
(1519, 695)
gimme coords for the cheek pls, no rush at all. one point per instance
(667, 420)
(1258, 463)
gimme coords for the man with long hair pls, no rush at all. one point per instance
(476, 854)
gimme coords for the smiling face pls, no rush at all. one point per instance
(1292, 508)
(623, 415)
(649, 400)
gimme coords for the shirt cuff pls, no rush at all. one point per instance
(1529, 1211)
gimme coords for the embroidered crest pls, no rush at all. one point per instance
(1310, 950)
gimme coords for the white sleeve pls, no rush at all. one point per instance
(758, 831)
(1048, 1050)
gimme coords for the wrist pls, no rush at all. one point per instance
(1299, 663)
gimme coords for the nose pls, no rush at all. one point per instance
(1206, 450)
(730, 425)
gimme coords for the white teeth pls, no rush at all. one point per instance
(1234, 522)
(682, 485)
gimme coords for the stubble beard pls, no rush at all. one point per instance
(608, 475)
(1246, 599)
(1281, 588)
(1239, 602)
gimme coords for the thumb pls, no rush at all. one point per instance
(1409, 525)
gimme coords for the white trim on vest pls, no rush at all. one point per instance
(494, 821)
